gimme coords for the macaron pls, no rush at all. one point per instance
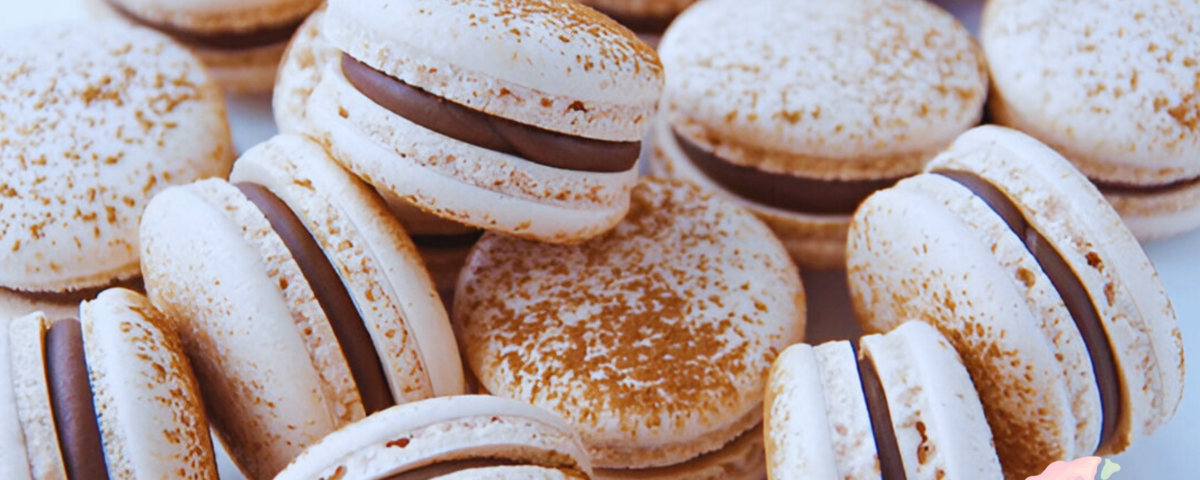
(463, 437)
(653, 340)
(520, 117)
(647, 18)
(107, 395)
(800, 109)
(899, 406)
(302, 303)
(1114, 90)
(1059, 316)
(241, 41)
(97, 118)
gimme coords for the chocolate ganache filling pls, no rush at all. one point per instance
(230, 40)
(641, 24)
(1070, 288)
(786, 192)
(72, 404)
(1118, 188)
(463, 240)
(891, 463)
(468, 125)
(332, 295)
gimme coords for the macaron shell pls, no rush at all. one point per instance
(306, 58)
(742, 459)
(116, 115)
(640, 8)
(1161, 215)
(458, 181)
(514, 473)
(862, 89)
(12, 438)
(266, 356)
(940, 425)
(553, 64)
(27, 354)
(220, 16)
(444, 428)
(679, 250)
(1113, 89)
(1129, 296)
(250, 71)
(375, 259)
(814, 241)
(151, 416)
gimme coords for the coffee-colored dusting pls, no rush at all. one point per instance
(332, 295)
(232, 40)
(891, 463)
(468, 125)
(71, 401)
(787, 192)
(1071, 289)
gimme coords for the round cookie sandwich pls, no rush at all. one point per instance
(97, 120)
(107, 395)
(817, 105)
(463, 437)
(523, 116)
(900, 406)
(301, 301)
(1114, 90)
(241, 41)
(653, 340)
(1058, 314)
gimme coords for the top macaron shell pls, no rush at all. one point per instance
(91, 130)
(665, 356)
(861, 89)
(307, 57)
(1110, 84)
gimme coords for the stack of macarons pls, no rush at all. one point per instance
(800, 109)
(104, 393)
(654, 340)
(1057, 313)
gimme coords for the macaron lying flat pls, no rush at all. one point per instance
(899, 406)
(301, 301)
(464, 437)
(1114, 90)
(1057, 313)
(109, 395)
(523, 117)
(800, 109)
(241, 41)
(653, 340)
(97, 119)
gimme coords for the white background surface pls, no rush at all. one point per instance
(1170, 453)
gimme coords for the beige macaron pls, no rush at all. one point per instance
(652, 340)
(241, 41)
(302, 302)
(799, 109)
(95, 120)
(1056, 310)
(110, 395)
(901, 405)
(1113, 86)
(464, 437)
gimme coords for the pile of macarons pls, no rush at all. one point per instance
(450, 262)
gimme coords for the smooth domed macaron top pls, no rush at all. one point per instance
(1111, 84)
(96, 119)
(655, 337)
(832, 90)
(215, 16)
(553, 64)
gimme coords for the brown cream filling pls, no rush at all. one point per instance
(891, 463)
(72, 403)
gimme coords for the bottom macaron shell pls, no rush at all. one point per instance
(814, 241)
(12, 439)
(27, 357)
(742, 459)
(250, 71)
(1155, 216)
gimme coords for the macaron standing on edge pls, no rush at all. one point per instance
(653, 340)
(99, 118)
(1115, 90)
(301, 302)
(1058, 314)
(241, 41)
(800, 109)
(110, 395)
(900, 405)
(519, 116)
(463, 437)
